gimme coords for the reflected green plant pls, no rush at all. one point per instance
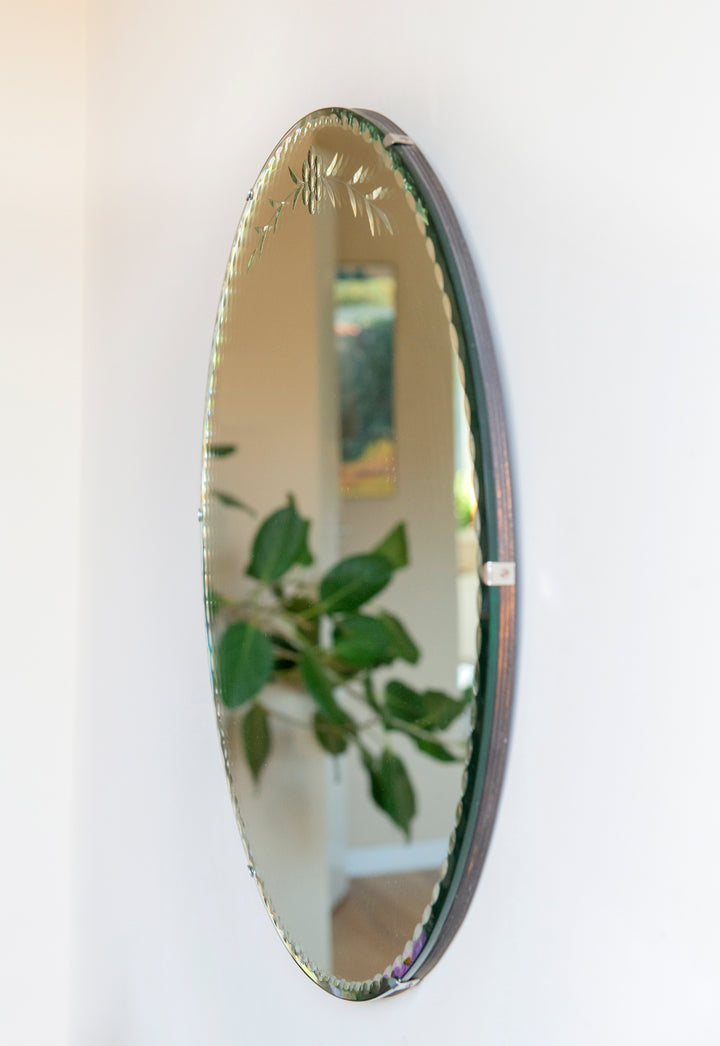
(320, 637)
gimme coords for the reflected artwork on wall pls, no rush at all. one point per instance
(364, 324)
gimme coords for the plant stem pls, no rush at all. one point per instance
(415, 731)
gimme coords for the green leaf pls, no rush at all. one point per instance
(430, 710)
(370, 695)
(341, 670)
(353, 581)
(392, 790)
(402, 702)
(233, 502)
(292, 175)
(298, 604)
(320, 688)
(307, 625)
(256, 738)
(363, 641)
(436, 750)
(394, 547)
(305, 557)
(369, 760)
(245, 663)
(331, 736)
(440, 710)
(220, 450)
(402, 643)
(279, 543)
(283, 663)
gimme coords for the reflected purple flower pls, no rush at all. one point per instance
(408, 957)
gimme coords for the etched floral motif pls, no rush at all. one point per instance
(311, 183)
(322, 179)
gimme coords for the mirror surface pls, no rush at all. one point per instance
(342, 540)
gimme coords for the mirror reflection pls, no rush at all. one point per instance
(341, 552)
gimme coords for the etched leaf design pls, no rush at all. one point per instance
(323, 179)
(333, 165)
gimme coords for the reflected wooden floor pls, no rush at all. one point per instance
(375, 919)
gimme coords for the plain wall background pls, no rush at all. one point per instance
(579, 144)
(42, 203)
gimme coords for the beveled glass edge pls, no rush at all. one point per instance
(497, 540)
(469, 840)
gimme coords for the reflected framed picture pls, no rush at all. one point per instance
(364, 314)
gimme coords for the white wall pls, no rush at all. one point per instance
(42, 131)
(579, 143)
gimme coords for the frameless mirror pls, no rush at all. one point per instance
(359, 554)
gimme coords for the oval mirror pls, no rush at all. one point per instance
(358, 553)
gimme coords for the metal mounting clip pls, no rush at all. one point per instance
(397, 139)
(494, 574)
